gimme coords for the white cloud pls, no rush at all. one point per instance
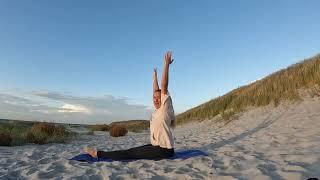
(41, 111)
(70, 108)
(150, 108)
(64, 107)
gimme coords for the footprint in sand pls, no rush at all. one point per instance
(269, 169)
(45, 160)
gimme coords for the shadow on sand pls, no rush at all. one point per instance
(264, 124)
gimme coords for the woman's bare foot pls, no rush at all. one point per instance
(90, 151)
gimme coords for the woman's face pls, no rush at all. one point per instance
(157, 99)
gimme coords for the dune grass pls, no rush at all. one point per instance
(99, 127)
(282, 85)
(13, 134)
(131, 125)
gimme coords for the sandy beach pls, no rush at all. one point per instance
(265, 143)
(232, 86)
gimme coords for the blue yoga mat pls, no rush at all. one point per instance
(178, 155)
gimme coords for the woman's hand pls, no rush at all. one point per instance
(168, 58)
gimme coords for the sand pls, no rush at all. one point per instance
(265, 143)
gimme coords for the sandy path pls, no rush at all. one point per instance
(265, 143)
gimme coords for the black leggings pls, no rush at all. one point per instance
(142, 152)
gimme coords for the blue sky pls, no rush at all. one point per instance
(68, 56)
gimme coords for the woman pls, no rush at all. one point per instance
(162, 145)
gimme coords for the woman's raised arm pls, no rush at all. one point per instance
(165, 74)
(155, 80)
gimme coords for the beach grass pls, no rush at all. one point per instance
(136, 126)
(273, 89)
(133, 125)
(99, 127)
(14, 134)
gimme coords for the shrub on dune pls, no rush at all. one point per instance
(133, 125)
(47, 128)
(42, 133)
(5, 139)
(18, 133)
(117, 131)
(102, 127)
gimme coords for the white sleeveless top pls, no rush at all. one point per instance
(160, 131)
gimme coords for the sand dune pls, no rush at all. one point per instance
(264, 143)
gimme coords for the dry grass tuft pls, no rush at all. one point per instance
(15, 133)
(102, 127)
(117, 131)
(133, 125)
(136, 126)
(5, 139)
(43, 132)
(47, 128)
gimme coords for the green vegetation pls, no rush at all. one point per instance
(131, 125)
(16, 133)
(101, 127)
(282, 85)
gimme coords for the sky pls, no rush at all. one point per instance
(92, 61)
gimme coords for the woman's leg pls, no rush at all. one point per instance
(142, 152)
(119, 154)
